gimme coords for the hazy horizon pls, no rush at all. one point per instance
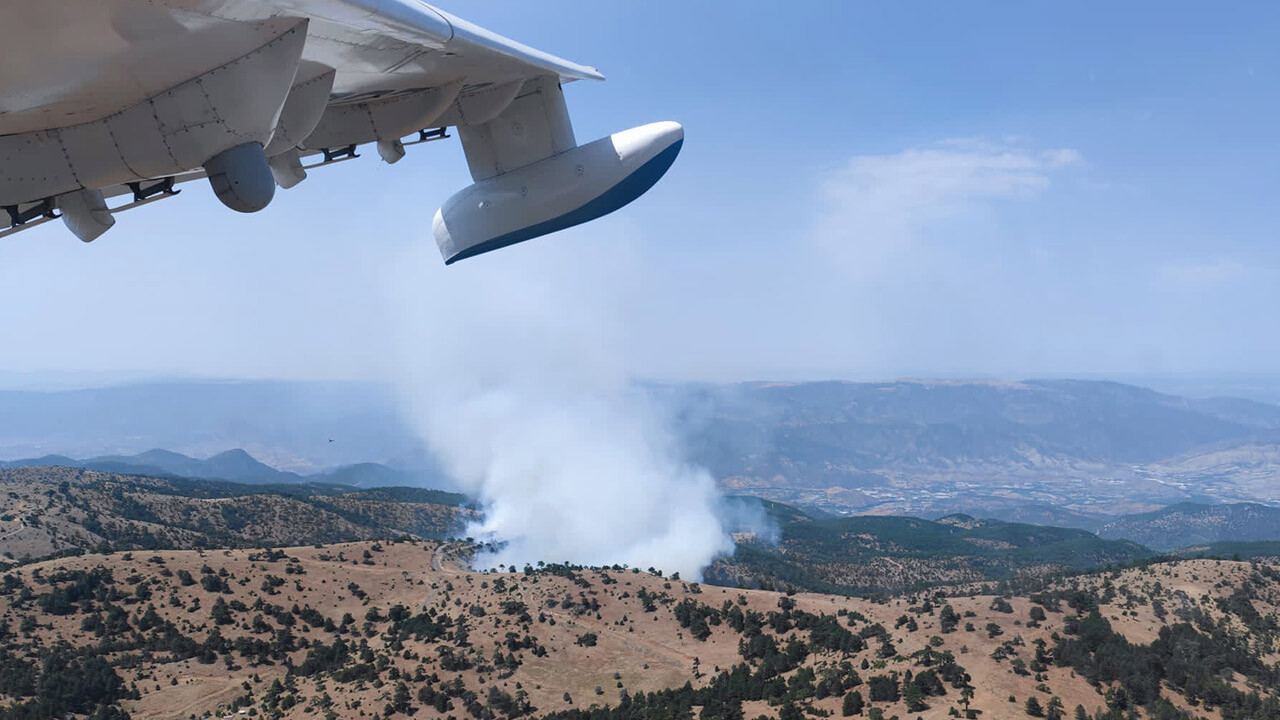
(1260, 387)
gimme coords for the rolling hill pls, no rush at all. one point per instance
(863, 554)
(53, 510)
(398, 630)
(176, 598)
(1191, 524)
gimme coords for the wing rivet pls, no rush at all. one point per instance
(580, 169)
(524, 191)
(517, 128)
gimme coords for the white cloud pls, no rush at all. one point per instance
(878, 203)
(1199, 274)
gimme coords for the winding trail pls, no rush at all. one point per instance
(437, 557)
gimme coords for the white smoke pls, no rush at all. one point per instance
(514, 377)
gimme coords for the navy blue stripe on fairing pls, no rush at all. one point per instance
(628, 189)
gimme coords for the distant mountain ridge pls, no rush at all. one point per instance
(925, 421)
(231, 465)
(932, 420)
(1062, 452)
(1191, 524)
(928, 447)
(298, 426)
(1031, 513)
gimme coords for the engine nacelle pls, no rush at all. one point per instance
(564, 190)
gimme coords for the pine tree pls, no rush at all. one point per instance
(1033, 707)
(789, 711)
(220, 612)
(912, 696)
(400, 701)
(887, 650)
(852, 704)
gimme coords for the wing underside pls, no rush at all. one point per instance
(107, 105)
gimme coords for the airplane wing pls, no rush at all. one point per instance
(109, 105)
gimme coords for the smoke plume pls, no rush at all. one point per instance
(512, 375)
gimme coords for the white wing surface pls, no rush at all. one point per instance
(108, 105)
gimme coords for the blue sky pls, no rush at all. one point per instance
(866, 191)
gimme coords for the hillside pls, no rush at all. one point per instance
(863, 554)
(1188, 524)
(48, 510)
(397, 630)
(51, 510)
(1266, 550)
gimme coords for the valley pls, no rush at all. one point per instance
(1064, 452)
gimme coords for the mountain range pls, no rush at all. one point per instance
(233, 465)
(1083, 448)
(1072, 453)
(303, 427)
(1190, 524)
